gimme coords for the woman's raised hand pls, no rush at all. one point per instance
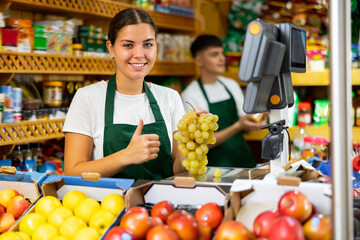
(142, 148)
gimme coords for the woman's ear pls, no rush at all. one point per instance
(110, 48)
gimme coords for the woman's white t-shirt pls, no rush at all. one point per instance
(215, 93)
(86, 114)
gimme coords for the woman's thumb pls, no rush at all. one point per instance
(139, 128)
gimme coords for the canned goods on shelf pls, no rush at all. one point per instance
(52, 93)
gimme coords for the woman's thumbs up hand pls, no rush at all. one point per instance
(142, 147)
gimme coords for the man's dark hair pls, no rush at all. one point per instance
(204, 41)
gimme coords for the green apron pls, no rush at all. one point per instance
(234, 152)
(118, 136)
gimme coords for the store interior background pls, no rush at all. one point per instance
(32, 70)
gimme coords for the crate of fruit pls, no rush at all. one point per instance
(18, 191)
(278, 210)
(74, 207)
(172, 209)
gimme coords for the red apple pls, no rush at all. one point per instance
(17, 206)
(233, 230)
(162, 210)
(318, 227)
(120, 233)
(155, 221)
(184, 224)
(6, 221)
(263, 222)
(295, 204)
(137, 222)
(2, 209)
(286, 228)
(161, 232)
(205, 231)
(210, 214)
(7, 195)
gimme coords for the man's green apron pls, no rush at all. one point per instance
(234, 152)
(118, 136)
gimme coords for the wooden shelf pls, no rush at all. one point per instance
(105, 9)
(24, 132)
(323, 131)
(32, 63)
(310, 78)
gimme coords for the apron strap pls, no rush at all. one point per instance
(203, 91)
(206, 97)
(110, 99)
(153, 104)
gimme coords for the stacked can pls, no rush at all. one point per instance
(12, 104)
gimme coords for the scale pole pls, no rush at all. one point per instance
(341, 132)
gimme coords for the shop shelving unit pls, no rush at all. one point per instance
(31, 63)
(103, 9)
(23, 132)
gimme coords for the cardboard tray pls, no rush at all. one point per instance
(26, 183)
(248, 198)
(59, 185)
(182, 192)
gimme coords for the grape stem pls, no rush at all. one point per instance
(190, 105)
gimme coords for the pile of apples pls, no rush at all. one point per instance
(77, 217)
(164, 222)
(12, 206)
(295, 219)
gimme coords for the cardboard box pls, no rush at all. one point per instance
(18, 23)
(249, 198)
(59, 185)
(9, 39)
(26, 183)
(182, 193)
(25, 39)
(65, 44)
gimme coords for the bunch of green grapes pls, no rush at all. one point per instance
(196, 132)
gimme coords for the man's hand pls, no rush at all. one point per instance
(246, 125)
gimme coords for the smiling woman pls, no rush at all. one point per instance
(124, 127)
